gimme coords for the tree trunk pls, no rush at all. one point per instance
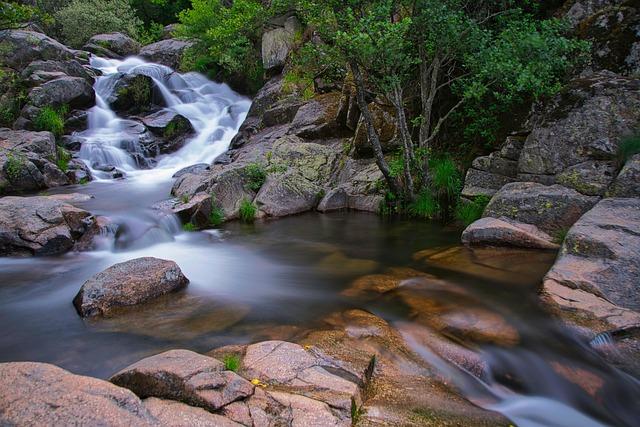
(405, 137)
(372, 134)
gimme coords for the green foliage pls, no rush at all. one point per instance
(248, 211)
(185, 198)
(14, 14)
(231, 362)
(256, 175)
(159, 12)
(189, 227)
(63, 159)
(424, 206)
(150, 33)
(139, 90)
(175, 128)
(445, 176)
(356, 412)
(226, 38)
(560, 235)
(216, 217)
(469, 212)
(628, 147)
(14, 165)
(82, 19)
(51, 119)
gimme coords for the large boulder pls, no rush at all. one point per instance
(166, 52)
(40, 225)
(278, 40)
(627, 184)
(21, 47)
(551, 208)
(38, 71)
(128, 283)
(43, 394)
(318, 118)
(74, 92)
(119, 43)
(287, 194)
(184, 376)
(173, 129)
(172, 413)
(601, 253)
(505, 232)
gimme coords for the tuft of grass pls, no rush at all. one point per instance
(470, 212)
(216, 217)
(248, 211)
(356, 413)
(231, 362)
(63, 159)
(256, 174)
(628, 147)
(445, 176)
(425, 206)
(14, 165)
(189, 227)
(560, 235)
(50, 119)
(185, 198)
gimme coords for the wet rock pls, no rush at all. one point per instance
(173, 128)
(385, 123)
(132, 93)
(39, 393)
(601, 253)
(74, 92)
(166, 52)
(627, 184)
(334, 200)
(391, 280)
(318, 118)
(77, 120)
(184, 376)
(119, 43)
(550, 208)
(196, 210)
(195, 169)
(278, 40)
(78, 172)
(172, 413)
(128, 283)
(287, 194)
(24, 47)
(506, 232)
(40, 225)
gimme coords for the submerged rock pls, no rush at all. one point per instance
(128, 283)
(506, 232)
(40, 225)
(184, 376)
(43, 394)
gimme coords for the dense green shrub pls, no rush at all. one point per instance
(189, 227)
(14, 165)
(51, 119)
(256, 175)
(248, 211)
(469, 212)
(628, 147)
(425, 206)
(162, 12)
(82, 19)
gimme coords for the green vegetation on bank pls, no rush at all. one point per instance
(51, 119)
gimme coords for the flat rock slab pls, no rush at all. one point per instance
(33, 394)
(184, 376)
(601, 253)
(289, 365)
(505, 232)
(128, 283)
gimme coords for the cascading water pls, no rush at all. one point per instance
(213, 109)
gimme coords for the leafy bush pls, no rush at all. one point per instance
(470, 212)
(50, 119)
(217, 214)
(231, 362)
(248, 211)
(189, 227)
(162, 12)
(256, 174)
(628, 148)
(14, 165)
(82, 19)
(425, 206)
(63, 159)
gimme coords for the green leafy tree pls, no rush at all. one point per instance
(13, 15)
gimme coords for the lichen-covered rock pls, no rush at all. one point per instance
(591, 177)
(601, 253)
(550, 208)
(334, 200)
(132, 93)
(504, 232)
(318, 118)
(21, 47)
(43, 394)
(40, 225)
(481, 183)
(627, 184)
(184, 376)
(166, 52)
(287, 194)
(119, 43)
(36, 72)
(128, 283)
(74, 92)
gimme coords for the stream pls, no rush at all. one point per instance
(271, 279)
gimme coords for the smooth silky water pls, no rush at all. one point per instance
(273, 279)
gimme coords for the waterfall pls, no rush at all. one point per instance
(213, 109)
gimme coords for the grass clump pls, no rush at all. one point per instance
(51, 119)
(628, 148)
(560, 235)
(470, 212)
(216, 217)
(64, 157)
(424, 206)
(185, 198)
(256, 175)
(189, 227)
(248, 211)
(14, 165)
(231, 362)
(445, 176)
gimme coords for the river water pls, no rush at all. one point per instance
(272, 279)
